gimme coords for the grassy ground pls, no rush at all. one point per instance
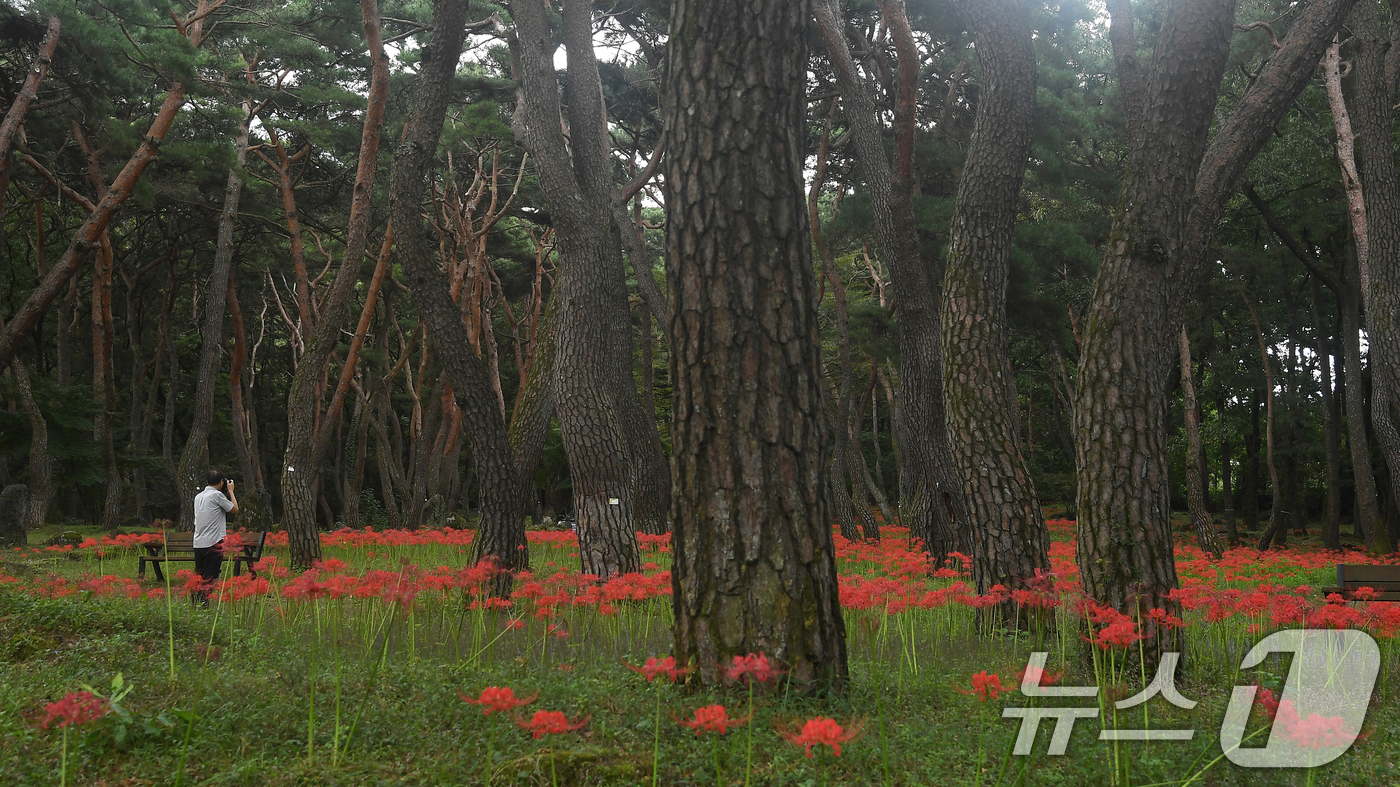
(274, 700)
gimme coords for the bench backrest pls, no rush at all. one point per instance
(258, 548)
(179, 541)
(1379, 577)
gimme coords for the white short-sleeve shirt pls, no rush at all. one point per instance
(210, 517)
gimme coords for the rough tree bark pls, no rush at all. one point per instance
(935, 510)
(1177, 183)
(1380, 266)
(501, 525)
(754, 567)
(594, 396)
(1010, 540)
(1206, 533)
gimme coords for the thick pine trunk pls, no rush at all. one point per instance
(934, 509)
(754, 568)
(1380, 268)
(1206, 533)
(1175, 190)
(1010, 541)
(601, 421)
(501, 526)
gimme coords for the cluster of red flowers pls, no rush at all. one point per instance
(75, 709)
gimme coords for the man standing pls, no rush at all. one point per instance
(211, 509)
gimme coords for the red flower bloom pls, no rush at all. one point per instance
(656, 667)
(823, 732)
(984, 684)
(550, 722)
(76, 708)
(498, 700)
(754, 665)
(712, 718)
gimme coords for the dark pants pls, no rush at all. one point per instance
(208, 563)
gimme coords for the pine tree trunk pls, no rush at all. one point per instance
(1227, 492)
(1179, 179)
(844, 509)
(1010, 541)
(501, 526)
(934, 509)
(308, 441)
(41, 463)
(1331, 435)
(194, 458)
(1368, 512)
(1206, 533)
(1275, 487)
(753, 562)
(1380, 268)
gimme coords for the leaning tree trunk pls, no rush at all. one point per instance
(189, 471)
(501, 525)
(753, 564)
(1010, 541)
(1179, 179)
(1380, 268)
(307, 442)
(934, 511)
(1206, 533)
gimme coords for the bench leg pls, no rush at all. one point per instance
(141, 568)
(160, 575)
(237, 564)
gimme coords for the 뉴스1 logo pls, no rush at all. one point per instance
(1317, 718)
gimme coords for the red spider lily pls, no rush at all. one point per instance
(823, 732)
(75, 709)
(753, 666)
(987, 686)
(712, 718)
(1037, 675)
(655, 668)
(1164, 620)
(1119, 634)
(498, 700)
(550, 722)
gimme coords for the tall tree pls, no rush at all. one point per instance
(308, 438)
(753, 562)
(1010, 541)
(1380, 264)
(1206, 533)
(501, 525)
(193, 462)
(1177, 183)
(592, 326)
(936, 511)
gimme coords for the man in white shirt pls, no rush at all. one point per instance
(211, 510)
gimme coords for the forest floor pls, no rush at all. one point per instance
(354, 674)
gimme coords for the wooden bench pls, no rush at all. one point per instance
(179, 548)
(1384, 579)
